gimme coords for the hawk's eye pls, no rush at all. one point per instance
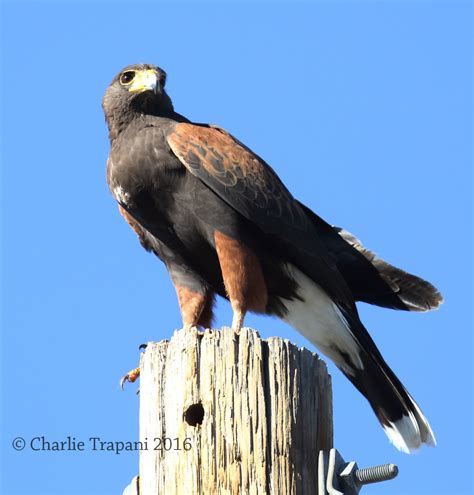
(127, 77)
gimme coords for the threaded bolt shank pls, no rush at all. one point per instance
(376, 473)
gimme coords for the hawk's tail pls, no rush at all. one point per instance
(343, 338)
(401, 418)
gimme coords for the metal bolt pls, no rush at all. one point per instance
(336, 477)
(354, 478)
(376, 473)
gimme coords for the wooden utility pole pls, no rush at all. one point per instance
(232, 414)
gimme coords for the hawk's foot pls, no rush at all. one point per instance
(131, 376)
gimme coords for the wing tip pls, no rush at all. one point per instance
(419, 305)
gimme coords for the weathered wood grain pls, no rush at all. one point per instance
(267, 412)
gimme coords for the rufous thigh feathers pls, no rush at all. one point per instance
(242, 274)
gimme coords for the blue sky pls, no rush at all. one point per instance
(365, 111)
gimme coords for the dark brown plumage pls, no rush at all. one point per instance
(223, 223)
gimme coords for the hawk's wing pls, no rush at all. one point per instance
(252, 188)
(238, 175)
(413, 292)
(370, 278)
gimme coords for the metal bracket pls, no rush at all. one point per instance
(337, 477)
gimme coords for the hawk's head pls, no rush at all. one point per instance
(136, 89)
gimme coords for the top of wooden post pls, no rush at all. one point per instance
(231, 413)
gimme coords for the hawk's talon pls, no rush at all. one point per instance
(131, 376)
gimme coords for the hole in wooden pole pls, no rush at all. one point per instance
(194, 414)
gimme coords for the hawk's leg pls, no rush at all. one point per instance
(237, 319)
(196, 306)
(243, 278)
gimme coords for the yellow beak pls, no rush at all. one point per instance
(145, 80)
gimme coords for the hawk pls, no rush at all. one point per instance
(224, 224)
